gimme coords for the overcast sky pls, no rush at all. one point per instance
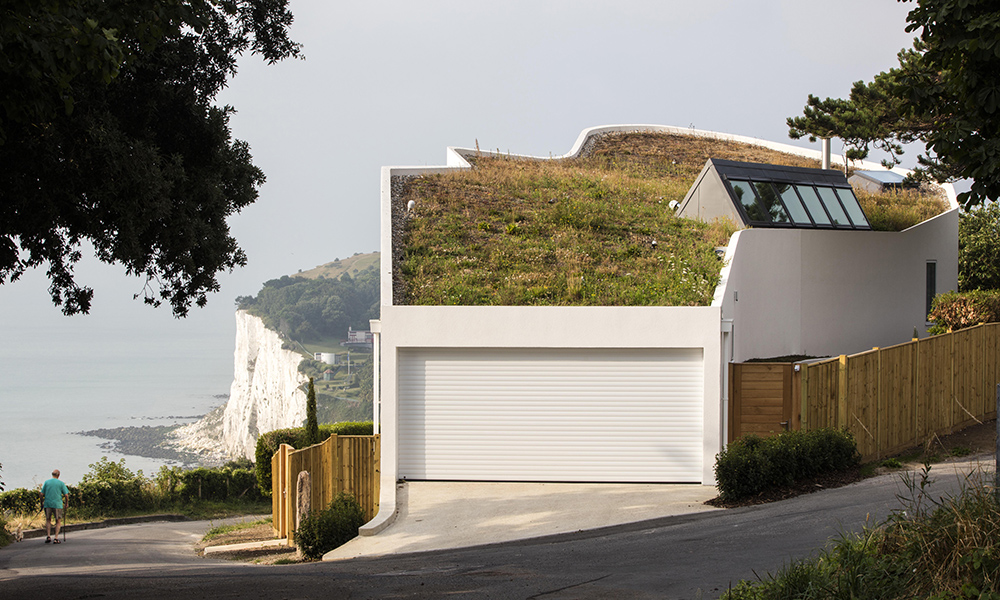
(394, 83)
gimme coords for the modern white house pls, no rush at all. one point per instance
(632, 394)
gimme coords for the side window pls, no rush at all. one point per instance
(931, 285)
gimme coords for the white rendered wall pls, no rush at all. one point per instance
(549, 327)
(833, 292)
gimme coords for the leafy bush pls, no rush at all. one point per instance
(110, 487)
(218, 484)
(753, 464)
(954, 311)
(268, 443)
(320, 532)
(20, 502)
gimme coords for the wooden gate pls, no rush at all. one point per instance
(344, 463)
(760, 399)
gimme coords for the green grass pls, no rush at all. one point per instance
(898, 210)
(199, 510)
(224, 529)
(940, 549)
(569, 232)
(350, 265)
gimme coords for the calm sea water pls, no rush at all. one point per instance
(62, 375)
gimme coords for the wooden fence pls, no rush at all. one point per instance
(890, 399)
(342, 463)
(896, 398)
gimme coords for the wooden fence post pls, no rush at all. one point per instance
(804, 394)
(842, 394)
(880, 423)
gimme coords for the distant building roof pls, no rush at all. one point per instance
(876, 181)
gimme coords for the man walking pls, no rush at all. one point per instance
(53, 493)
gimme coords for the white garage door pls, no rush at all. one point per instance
(551, 414)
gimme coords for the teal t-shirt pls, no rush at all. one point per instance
(54, 490)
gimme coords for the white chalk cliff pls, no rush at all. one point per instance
(265, 395)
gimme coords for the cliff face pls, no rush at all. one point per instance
(265, 395)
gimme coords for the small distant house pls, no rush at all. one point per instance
(329, 358)
(879, 181)
(328, 375)
(359, 338)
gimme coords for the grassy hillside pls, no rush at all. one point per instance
(351, 265)
(594, 230)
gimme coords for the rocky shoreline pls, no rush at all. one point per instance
(147, 441)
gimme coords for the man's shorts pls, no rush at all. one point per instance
(58, 512)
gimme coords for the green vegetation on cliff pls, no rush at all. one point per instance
(312, 312)
(315, 309)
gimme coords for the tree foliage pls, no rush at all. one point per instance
(309, 309)
(109, 136)
(312, 423)
(979, 249)
(944, 93)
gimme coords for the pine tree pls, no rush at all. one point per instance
(312, 424)
(944, 93)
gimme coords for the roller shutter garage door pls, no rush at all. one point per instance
(588, 415)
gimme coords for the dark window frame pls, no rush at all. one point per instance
(798, 178)
(931, 287)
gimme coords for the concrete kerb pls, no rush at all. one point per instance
(36, 533)
(246, 546)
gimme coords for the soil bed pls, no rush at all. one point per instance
(257, 533)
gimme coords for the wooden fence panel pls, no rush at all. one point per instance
(991, 365)
(934, 385)
(970, 400)
(821, 390)
(897, 389)
(861, 401)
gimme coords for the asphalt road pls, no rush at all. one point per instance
(695, 556)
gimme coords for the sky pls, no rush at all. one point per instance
(395, 83)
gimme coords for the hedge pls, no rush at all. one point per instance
(752, 464)
(322, 531)
(268, 443)
(954, 310)
(108, 496)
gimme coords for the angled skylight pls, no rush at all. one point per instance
(760, 195)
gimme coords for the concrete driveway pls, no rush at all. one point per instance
(436, 515)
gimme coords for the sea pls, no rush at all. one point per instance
(124, 366)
